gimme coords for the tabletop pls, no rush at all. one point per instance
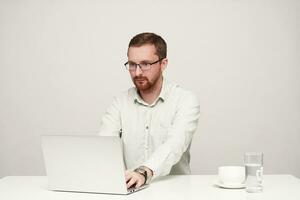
(276, 187)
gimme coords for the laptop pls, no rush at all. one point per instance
(92, 164)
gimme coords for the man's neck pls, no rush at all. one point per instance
(152, 93)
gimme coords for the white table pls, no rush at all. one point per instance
(200, 187)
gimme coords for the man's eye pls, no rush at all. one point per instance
(144, 64)
(131, 64)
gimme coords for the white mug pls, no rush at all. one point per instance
(231, 175)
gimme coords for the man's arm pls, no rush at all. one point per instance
(111, 120)
(179, 137)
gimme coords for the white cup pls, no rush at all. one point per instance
(231, 175)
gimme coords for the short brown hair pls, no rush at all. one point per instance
(150, 38)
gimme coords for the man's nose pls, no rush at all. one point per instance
(138, 70)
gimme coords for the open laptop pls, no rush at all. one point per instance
(85, 164)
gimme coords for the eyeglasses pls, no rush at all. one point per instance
(144, 66)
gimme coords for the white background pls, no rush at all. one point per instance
(61, 63)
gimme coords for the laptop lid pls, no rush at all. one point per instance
(84, 164)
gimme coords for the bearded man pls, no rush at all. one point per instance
(155, 119)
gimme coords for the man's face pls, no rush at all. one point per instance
(145, 80)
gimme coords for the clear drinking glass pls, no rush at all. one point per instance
(254, 171)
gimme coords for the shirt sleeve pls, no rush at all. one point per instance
(111, 120)
(179, 137)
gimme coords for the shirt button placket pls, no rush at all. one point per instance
(146, 141)
(147, 136)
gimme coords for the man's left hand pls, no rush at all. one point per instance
(134, 179)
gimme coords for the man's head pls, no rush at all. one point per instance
(150, 39)
(149, 51)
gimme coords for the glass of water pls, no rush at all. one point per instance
(254, 171)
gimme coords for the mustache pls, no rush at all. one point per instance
(140, 78)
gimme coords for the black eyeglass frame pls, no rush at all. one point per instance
(143, 69)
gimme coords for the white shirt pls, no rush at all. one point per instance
(158, 135)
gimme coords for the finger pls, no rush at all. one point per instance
(131, 182)
(128, 176)
(140, 180)
(139, 183)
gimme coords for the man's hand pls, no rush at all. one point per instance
(134, 179)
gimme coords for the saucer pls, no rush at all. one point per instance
(229, 186)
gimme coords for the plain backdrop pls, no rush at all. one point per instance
(61, 64)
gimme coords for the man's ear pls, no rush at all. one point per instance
(164, 64)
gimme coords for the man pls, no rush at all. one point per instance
(155, 119)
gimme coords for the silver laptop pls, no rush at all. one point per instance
(85, 164)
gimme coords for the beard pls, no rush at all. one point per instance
(142, 83)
